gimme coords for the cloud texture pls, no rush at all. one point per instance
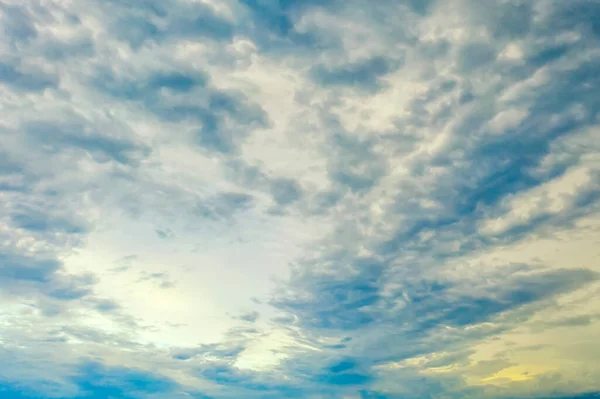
(299, 199)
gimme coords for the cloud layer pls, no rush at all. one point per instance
(299, 199)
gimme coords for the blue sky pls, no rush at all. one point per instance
(299, 199)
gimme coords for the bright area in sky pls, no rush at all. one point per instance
(299, 199)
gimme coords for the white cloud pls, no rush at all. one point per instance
(551, 198)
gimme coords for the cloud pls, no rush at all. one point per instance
(10, 75)
(224, 205)
(57, 137)
(250, 317)
(364, 74)
(42, 280)
(299, 199)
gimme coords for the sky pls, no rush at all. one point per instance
(264, 199)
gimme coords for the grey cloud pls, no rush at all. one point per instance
(354, 302)
(17, 23)
(57, 136)
(420, 6)
(355, 165)
(209, 109)
(165, 234)
(285, 191)
(565, 322)
(16, 267)
(581, 14)
(39, 222)
(224, 205)
(201, 22)
(362, 75)
(152, 21)
(25, 81)
(336, 302)
(104, 305)
(32, 276)
(250, 317)
(475, 55)
(136, 30)
(61, 51)
(222, 352)
(514, 19)
(161, 279)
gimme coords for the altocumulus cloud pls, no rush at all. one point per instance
(300, 199)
